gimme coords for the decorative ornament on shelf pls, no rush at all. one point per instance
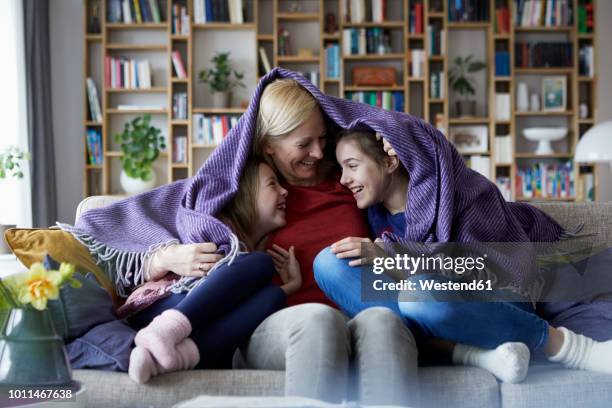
(462, 83)
(11, 160)
(522, 97)
(221, 79)
(534, 105)
(141, 144)
(31, 351)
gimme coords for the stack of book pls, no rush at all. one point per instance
(383, 99)
(134, 11)
(468, 10)
(537, 13)
(210, 130)
(94, 146)
(437, 39)
(543, 180)
(179, 105)
(436, 85)
(544, 54)
(95, 113)
(332, 60)
(357, 11)
(415, 23)
(502, 63)
(126, 73)
(505, 187)
(180, 20)
(586, 61)
(207, 11)
(179, 150)
(361, 41)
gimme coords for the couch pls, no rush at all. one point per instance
(545, 386)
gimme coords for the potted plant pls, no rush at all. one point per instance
(31, 351)
(11, 160)
(140, 147)
(462, 83)
(221, 79)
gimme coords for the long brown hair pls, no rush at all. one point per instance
(370, 146)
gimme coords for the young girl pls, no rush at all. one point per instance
(208, 323)
(502, 344)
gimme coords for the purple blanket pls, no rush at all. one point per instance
(447, 201)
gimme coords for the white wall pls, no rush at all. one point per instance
(68, 97)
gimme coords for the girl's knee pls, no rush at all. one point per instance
(428, 314)
(324, 265)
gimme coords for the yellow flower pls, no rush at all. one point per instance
(39, 285)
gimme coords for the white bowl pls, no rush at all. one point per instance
(544, 136)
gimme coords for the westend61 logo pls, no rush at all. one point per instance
(422, 263)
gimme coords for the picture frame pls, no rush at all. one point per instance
(470, 139)
(554, 94)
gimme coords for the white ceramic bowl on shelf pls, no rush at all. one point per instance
(544, 136)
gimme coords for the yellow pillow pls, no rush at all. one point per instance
(31, 245)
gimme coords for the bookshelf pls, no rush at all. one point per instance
(321, 49)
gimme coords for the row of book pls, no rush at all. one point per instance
(95, 113)
(502, 63)
(586, 61)
(180, 110)
(503, 149)
(468, 10)
(210, 130)
(504, 184)
(179, 66)
(180, 20)
(544, 180)
(360, 11)
(332, 61)
(417, 63)
(502, 106)
(134, 11)
(585, 16)
(208, 11)
(480, 164)
(437, 84)
(179, 150)
(538, 13)
(437, 39)
(415, 19)
(543, 54)
(389, 100)
(501, 23)
(312, 76)
(126, 73)
(360, 41)
(94, 147)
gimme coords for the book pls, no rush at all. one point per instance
(481, 164)
(179, 150)
(503, 149)
(95, 113)
(94, 146)
(502, 106)
(235, 11)
(264, 59)
(177, 63)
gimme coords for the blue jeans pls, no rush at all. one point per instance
(225, 309)
(481, 324)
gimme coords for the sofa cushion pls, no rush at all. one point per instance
(111, 389)
(458, 387)
(548, 386)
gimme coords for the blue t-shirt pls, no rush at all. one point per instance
(381, 220)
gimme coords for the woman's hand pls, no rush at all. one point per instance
(288, 268)
(352, 247)
(386, 145)
(184, 260)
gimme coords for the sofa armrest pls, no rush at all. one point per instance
(92, 202)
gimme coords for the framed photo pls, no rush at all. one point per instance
(470, 139)
(554, 94)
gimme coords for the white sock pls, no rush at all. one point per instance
(509, 362)
(583, 353)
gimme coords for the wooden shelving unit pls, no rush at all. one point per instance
(306, 22)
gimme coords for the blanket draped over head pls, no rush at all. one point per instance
(447, 200)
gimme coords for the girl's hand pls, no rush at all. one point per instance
(386, 145)
(184, 260)
(352, 247)
(288, 268)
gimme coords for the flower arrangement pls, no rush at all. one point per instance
(34, 288)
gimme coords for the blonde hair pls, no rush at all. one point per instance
(241, 211)
(283, 107)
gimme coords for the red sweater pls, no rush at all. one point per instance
(317, 216)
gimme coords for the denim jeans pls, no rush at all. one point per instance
(482, 324)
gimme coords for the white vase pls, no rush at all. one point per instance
(136, 186)
(522, 97)
(535, 103)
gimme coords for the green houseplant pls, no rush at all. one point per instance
(461, 82)
(11, 160)
(141, 144)
(221, 79)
